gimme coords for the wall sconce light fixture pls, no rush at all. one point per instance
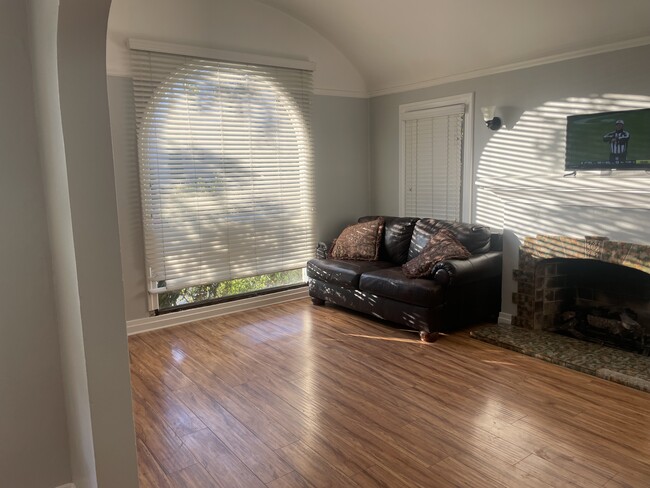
(492, 122)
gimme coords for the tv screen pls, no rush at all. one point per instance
(608, 140)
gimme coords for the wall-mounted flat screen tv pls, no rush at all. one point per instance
(608, 140)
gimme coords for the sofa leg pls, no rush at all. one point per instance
(317, 301)
(428, 336)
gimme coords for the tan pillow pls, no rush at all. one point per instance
(359, 241)
(442, 245)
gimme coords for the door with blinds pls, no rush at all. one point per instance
(432, 145)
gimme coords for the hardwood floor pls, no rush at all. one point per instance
(295, 395)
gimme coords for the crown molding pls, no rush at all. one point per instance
(615, 46)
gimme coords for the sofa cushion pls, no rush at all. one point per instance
(359, 241)
(342, 273)
(391, 283)
(475, 238)
(442, 245)
(397, 238)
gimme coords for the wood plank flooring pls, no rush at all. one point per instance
(295, 395)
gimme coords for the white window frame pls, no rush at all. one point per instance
(220, 55)
(412, 110)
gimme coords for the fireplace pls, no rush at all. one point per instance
(591, 289)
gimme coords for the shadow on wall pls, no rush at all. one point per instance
(521, 186)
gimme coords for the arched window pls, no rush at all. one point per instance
(225, 169)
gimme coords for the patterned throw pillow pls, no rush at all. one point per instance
(442, 245)
(359, 241)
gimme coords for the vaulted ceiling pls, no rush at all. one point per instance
(397, 44)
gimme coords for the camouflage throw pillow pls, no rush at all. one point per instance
(359, 241)
(442, 245)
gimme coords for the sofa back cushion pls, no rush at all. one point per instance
(475, 238)
(398, 232)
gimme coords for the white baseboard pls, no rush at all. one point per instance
(505, 318)
(183, 317)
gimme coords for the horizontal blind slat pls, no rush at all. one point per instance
(225, 165)
(433, 164)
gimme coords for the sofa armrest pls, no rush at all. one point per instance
(496, 241)
(462, 271)
(321, 250)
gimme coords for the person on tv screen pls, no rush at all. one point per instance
(618, 140)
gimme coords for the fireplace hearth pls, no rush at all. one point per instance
(624, 367)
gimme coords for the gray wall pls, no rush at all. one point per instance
(33, 438)
(340, 131)
(519, 171)
(340, 134)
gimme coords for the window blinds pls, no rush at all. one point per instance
(433, 162)
(225, 166)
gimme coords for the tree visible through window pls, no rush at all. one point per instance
(226, 175)
(237, 287)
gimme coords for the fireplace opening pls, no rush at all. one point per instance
(595, 301)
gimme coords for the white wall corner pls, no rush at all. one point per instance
(504, 318)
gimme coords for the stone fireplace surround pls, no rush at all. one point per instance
(542, 260)
(545, 259)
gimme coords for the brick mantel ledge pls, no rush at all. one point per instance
(627, 254)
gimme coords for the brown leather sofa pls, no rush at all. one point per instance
(458, 292)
